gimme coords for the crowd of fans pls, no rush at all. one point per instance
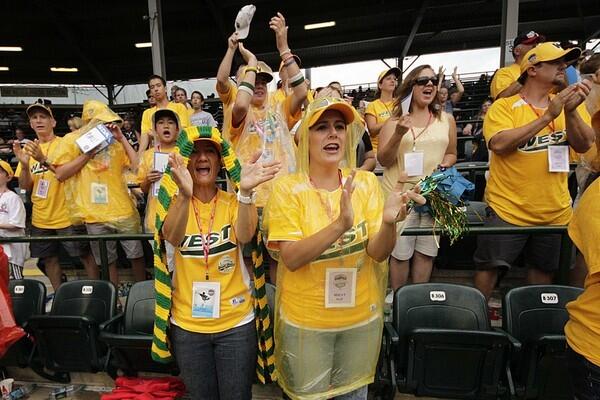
(299, 164)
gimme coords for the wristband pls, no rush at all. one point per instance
(286, 51)
(250, 69)
(246, 199)
(246, 89)
(248, 85)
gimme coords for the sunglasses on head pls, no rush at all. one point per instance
(424, 80)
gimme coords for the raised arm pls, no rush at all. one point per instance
(225, 66)
(173, 229)
(25, 178)
(391, 135)
(458, 83)
(299, 89)
(244, 97)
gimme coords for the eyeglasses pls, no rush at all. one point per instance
(424, 80)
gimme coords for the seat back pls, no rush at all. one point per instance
(28, 296)
(439, 305)
(94, 299)
(536, 315)
(139, 309)
(531, 311)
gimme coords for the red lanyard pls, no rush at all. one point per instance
(415, 137)
(206, 239)
(551, 124)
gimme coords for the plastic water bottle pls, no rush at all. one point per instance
(64, 391)
(21, 392)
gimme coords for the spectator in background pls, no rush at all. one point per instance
(455, 93)
(151, 101)
(74, 123)
(475, 129)
(158, 88)
(131, 134)
(414, 143)
(378, 111)
(19, 135)
(181, 97)
(527, 133)
(199, 117)
(504, 83)
(97, 189)
(49, 216)
(12, 223)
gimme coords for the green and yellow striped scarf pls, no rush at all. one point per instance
(162, 279)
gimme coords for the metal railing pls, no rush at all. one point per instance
(562, 276)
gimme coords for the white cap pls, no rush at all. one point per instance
(243, 20)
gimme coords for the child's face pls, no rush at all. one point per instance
(4, 177)
(166, 130)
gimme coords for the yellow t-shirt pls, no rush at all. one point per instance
(520, 189)
(147, 165)
(227, 98)
(503, 78)
(224, 266)
(49, 212)
(381, 111)
(181, 111)
(98, 192)
(295, 211)
(583, 328)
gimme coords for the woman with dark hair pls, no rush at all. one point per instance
(414, 143)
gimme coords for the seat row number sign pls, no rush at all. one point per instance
(549, 298)
(437, 295)
(87, 290)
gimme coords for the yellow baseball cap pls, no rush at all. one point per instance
(548, 51)
(265, 71)
(384, 73)
(6, 166)
(319, 106)
(94, 109)
(38, 107)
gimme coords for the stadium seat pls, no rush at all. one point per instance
(440, 344)
(67, 338)
(28, 297)
(536, 316)
(129, 334)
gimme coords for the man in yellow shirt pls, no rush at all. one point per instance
(49, 213)
(158, 90)
(583, 328)
(97, 189)
(530, 134)
(504, 83)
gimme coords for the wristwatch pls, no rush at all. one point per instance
(246, 199)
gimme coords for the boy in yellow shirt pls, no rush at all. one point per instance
(97, 190)
(50, 216)
(158, 90)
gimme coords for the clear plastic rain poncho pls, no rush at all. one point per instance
(98, 193)
(267, 130)
(329, 312)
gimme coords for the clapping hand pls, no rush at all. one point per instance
(254, 173)
(395, 208)
(181, 175)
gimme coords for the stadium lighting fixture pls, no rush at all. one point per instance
(319, 25)
(11, 48)
(143, 45)
(63, 69)
(4, 68)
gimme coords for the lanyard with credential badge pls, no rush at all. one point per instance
(551, 124)
(415, 137)
(206, 239)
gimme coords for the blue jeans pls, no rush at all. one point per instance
(219, 366)
(584, 375)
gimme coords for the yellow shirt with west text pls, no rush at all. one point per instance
(520, 189)
(297, 210)
(225, 266)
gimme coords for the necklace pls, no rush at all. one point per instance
(206, 239)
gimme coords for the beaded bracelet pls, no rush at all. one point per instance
(285, 52)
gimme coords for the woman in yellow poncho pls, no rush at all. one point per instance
(332, 234)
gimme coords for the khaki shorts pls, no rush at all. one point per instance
(133, 248)
(407, 245)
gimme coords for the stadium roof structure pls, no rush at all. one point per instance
(98, 37)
